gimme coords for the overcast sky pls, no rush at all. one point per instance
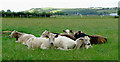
(21, 5)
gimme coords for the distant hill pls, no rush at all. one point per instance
(77, 11)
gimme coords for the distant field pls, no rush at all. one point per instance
(92, 25)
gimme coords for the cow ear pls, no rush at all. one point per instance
(56, 36)
(20, 33)
(78, 33)
(83, 32)
(48, 32)
(86, 37)
(71, 31)
(63, 30)
(46, 36)
(16, 33)
(81, 39)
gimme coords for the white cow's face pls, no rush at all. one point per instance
(86, 41)
(52, 38)
(12, 34)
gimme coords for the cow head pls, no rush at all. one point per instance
(68, 31)
(45, 33)
(52, 38)
(86, 41)
(79, 34)
(15, 34)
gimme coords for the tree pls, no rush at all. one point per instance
(2, 13)
(9, 11)
(43, 14)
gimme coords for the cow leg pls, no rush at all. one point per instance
(28, 47)
(79, 44)
(65, 47)
(43, 47)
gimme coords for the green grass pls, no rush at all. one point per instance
(0, 39)
(106, 26)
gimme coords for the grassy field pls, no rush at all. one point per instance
(94, 25)
(0, 39)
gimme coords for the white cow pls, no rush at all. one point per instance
(83, 42)
(62, 42)
(65, 43)
(38, 42)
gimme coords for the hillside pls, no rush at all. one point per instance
(77, 11)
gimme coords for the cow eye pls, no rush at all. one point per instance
(85, 39)
(46, 36)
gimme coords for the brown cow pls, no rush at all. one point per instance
(20, 37)
(94, 39)
(100, 39)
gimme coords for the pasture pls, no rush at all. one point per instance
(92, 25)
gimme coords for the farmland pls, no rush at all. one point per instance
(92, 25)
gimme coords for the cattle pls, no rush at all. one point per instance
(65, 43)
(38, 42)
(20, 37)
(94, 39)
(46, 33)
(62, 42)
(83, 42)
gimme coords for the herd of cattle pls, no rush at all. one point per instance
(63, 41)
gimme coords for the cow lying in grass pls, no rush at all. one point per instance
(94, 39)
(62, 42)
(38, 42)
(83, 42)
(20, 37)
(65, 43)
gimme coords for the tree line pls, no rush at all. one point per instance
(8, 13)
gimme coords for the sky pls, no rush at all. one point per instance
(22, 5)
